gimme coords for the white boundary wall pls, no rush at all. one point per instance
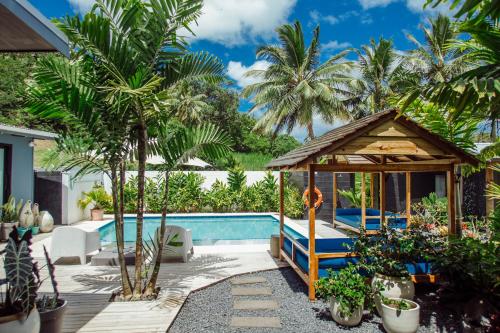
(209, 177)
(74, 191)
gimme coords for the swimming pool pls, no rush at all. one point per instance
(206, 229)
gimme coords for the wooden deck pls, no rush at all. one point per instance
(88, 288)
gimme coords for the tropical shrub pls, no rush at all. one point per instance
(98, 197)
(472, 267)
(219, 198)
(347, 286)
(294, 206)
(153, 193)
(130, 195)
(185, 192)
(392, 249)
(431, 214)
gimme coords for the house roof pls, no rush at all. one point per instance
(26, 132)
(340, 137)
(24, 29)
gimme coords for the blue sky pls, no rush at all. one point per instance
(232, 29)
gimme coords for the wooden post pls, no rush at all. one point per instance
(363, 201)
(382, 198)
(372, 190)
(313, 269)
(450, 186)
(408, 198)
(334, 212)
(490, 202)
(282, 210)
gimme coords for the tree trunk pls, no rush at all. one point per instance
(141, 152)
(493, 133)
(310, 130)
(126, 286)
(150, 288)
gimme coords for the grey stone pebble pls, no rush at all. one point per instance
(210, 310)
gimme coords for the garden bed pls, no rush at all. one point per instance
(211, 309)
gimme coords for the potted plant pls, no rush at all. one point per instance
(10, 218)
(346, 291)
(100, 199)
(18, 312)
(51, 308)
(385, 257)
(400, 315)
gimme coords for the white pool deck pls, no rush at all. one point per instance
(88, 288)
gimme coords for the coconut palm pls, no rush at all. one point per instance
(478, 88)
(377, 63)
(135, 52)
(295, 86)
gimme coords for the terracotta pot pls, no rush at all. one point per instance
(97, 214)
(19, 323)
(401, 321)
(5, 229)
(52, 320)
(352, 320)
(394, 287)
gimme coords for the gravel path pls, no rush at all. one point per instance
(211, 309)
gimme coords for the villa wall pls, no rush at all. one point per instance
(22, 180)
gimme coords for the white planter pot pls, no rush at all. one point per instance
(401, 321)
(352, 320)
(20, 324)
(394, 287)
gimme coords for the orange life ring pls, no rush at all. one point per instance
(318, 202)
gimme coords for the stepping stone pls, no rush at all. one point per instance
(245, 291)
(248, 280)
(255, 305)
(261, 322)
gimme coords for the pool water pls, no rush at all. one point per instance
(206, 230)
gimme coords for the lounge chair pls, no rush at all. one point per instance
(74, 242)
(351, 218)
(184, 240)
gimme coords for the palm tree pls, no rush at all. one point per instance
(175, 148)
(431, 63)
(296, 87)
(478, 88)
(134, 51)
(185, 105)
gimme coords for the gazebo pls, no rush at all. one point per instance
(381, 143)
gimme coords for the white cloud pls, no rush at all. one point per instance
(235, 22)
(335, 45)
(236, 71)
(81, 6)
(317, 17)
(367, 4)
(417, 6)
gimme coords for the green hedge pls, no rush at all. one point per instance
(187, 196)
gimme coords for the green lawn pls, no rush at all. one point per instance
(253, 161)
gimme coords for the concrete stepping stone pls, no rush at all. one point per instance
(248, 280)
(260, 322)
(246, 291)
(255, 305)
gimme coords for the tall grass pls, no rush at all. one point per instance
(253, 161)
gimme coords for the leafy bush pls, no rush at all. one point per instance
(153, 193)
(98, 197)
(219, 198)
(130, 195)
(390, 251)
(347, 286)
(431, 213)
(294, 206)
(185, 193)
(471, 266)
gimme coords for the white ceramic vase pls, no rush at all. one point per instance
(21, 324)
(45, 221)
(394, 287)
(26, 215)
(36, 211)
(401, 321)
(352, 320)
